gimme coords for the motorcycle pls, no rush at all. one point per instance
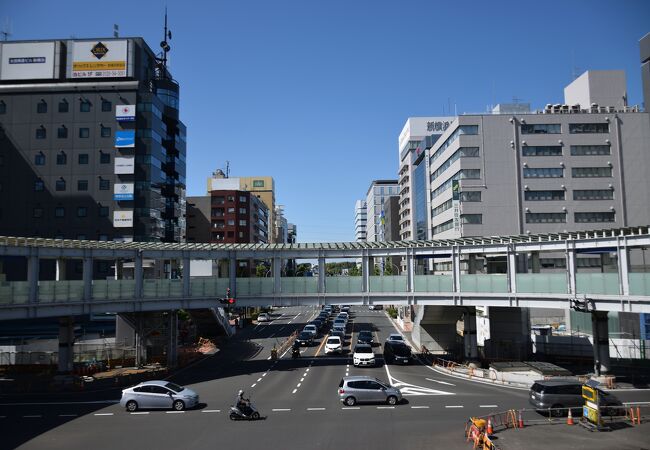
(237, 414)
(295, 353)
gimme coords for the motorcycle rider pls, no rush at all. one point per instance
(295, 352)
(242, 403)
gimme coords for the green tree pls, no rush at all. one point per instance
(261, 270)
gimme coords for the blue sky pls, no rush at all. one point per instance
(315, 93)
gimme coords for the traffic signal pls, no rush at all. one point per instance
(227, 301)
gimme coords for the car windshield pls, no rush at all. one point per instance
(174, 387)
(304, 335)
(310, 327)
(363, 349)
(334, 340)
(365, 334)
(402, 350)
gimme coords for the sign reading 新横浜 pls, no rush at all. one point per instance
(123, 219)
(123, 191)
(125, 138)
(124, 165)
(27, 61)
(99, 59)
(125, 113)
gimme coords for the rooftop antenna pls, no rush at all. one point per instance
(116, 30)
(162, 60)
(6, 30)
(227, 169)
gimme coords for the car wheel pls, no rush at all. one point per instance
(178, 405)
(255, 415)
(556, 412)
(350, 401)
(131, 406)
(391, 400)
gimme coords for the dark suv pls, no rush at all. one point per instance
(545, 394)
(397, 352)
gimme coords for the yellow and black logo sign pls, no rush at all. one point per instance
(99, 50)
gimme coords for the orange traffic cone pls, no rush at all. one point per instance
(490, 431)
(569, 419)
(521, 421)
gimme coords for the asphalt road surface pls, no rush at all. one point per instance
(296, 397)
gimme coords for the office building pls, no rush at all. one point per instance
(360, 219)
(644, 50)
(91, 145)
(376, 196)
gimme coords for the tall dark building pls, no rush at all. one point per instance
(91, 145)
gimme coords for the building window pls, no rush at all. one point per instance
(539, 196)
(442, 208)
(103, 211)
(62, 132)
(82, 211)
(104, 185)
(60, 184)
(41, 107)
(107, 105)
(582, 128)
(541, 128)
(470, 196)
(59, 211)
(544, 172)
(471, 219)
(106, 131)
(61, 159)
(102, 237)
(258, 183)
(64, 106)
(593, 194)
(470, 174)
(242, 210)
(231, 222)
(241, 234)
(104, 158)
(448, 225)
(37, 213)
(242, 199)
(41, 132)
(84, 132)
(3, 107)
(83, 158)
(594, 217)
(82, 185)
(39, 159)
(231, 198)
(242, 223)
(84, 106)
(541, 150)
(588, 150)
(39, 185)
(231, 210)
(546, 217)
(591, 172)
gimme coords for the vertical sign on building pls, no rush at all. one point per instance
(455, 202)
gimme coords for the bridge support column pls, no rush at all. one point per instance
(455, 267)
(534, 262)
(32, 277)
(571, 268)
(172, 346)
(365, 273)
(87, 276)
(600, 326)
(66, 345)
(186, 276)
(623, 269)
(410, 272)
(322, 274)
(469, 333)
(471, 264)
(232, 273)
(277, 274)
(138, 274)
(140, 351)
(60, 269)
(512, 270)
(119, 269)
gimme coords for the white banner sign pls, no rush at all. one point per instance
(123, 191)
(124, 165)
(123, 219)
(125, 113)
(27, 61)
(99, 59)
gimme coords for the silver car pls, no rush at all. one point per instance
(367, 389)
(158, 394)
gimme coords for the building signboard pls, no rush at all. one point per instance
(27, 61)
(455, 202)
(123, 219)
(99, 59)
(124, 165)
(125, 139)
(125, 113)
(123, 191)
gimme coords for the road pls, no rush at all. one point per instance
(298, 399)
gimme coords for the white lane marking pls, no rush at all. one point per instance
(268, 358)
(385, 407)
(281, 409)
(454, 406)
(35, 416)
(211, 411)
(307, 369)
(253, 385)
(61, 403)
(302, 379)
(294, 391)
(419, 407)
(174, 412)
(139, 413)
(441, 382)
(259, 379)
(67, 415)
(488, 406)
(315, 409)
(298, 385)
(350, 407)
(412, 389)
(104, 414)
(264, 374)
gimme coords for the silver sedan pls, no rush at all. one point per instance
(158, 394)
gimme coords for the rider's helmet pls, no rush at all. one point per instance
(240, 393)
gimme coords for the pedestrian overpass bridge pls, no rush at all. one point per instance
(622, 290)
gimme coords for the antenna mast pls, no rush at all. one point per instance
(6, 30)
(162, 61)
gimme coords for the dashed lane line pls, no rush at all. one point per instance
(139, 413)
(385, 407)
(294, 391)
(488, 406)
(350, 407)
(454, 406)
(419, 407)
(174, 412)
(315, 409)
(259, 379)
(211, 411)
(281, 409)
(253, 385)
(103, 414)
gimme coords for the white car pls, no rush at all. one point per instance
(333, 345)
(263, 317)
(363, 355)
(395, 337)
(311, 329)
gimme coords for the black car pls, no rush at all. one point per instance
(397, 352)
(305, 338)
(340, 334)
(365, 337)
(319, 324)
